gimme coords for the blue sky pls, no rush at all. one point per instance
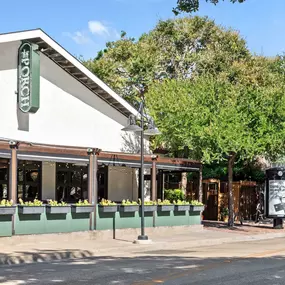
(83, 27)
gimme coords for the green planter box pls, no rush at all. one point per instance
(7, 210)
(129, 209)
(57, 209)
(181, 208)
(82, 209)
(195, 208)
(108, 209)
(150, 208)
(165, 208)
(30, 210)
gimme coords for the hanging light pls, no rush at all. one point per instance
(132, 125)
(152, 130)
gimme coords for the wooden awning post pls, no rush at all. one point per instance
(93, 184)
(153, 179)
(13, 172)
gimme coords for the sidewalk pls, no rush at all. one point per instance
(42, 248)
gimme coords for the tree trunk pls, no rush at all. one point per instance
(200, 198)
(231, 160)
(184, 182)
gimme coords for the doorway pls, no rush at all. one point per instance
(210, 197)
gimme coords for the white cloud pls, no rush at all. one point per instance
(96, 27)
(80, 37)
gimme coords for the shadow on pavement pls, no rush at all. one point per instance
(237, 226)
(21, 257)
(149, 270)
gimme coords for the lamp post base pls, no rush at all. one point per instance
(143, 241)
(142, 237)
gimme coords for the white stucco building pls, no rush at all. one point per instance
(69, 145)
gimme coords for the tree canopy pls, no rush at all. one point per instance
(190, 6)
(220, 120)
(175, 49)
(205, 90)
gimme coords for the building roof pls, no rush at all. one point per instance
(71, 65)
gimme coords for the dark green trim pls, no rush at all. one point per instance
(28, 78)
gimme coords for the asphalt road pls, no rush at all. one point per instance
(258, 262)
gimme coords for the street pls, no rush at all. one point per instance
(251, 262)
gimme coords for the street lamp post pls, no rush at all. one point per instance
(150, 131)
(142, 236)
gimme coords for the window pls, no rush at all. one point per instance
(102, 177)
(4, 178)
(71, 182)
(29, 180)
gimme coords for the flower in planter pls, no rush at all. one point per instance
(6, 203)
(56, 204)
(179, 202)
(196, 203)
(129, 203)
(82, 203)
(105, 202)
(163, 203)
(36, 202)
(148, 203)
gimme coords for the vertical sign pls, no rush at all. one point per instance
(276, 198)
(28, 78)
(275, 193)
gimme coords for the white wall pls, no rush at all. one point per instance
(48, 180)
(69, 113)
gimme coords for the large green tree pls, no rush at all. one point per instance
(220, 120)
(173, 57)
(190, 6)
(175, 49)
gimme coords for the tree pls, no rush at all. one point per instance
(182, 51)
(190, 6)
(220, 120)
(175, 49)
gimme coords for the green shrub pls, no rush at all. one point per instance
(147, 203)
(105, 202)
(36, 202)
(174, 195)
(179, 202)
(6, 203)
(129, 203)
(196, 203)
(164, 202)
(224, 212)
(82, 203)
(56, 204)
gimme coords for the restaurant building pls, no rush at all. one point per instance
(61, 132)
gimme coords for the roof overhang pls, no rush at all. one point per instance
(73, 66)
(44, 152)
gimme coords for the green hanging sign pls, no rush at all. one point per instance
(28, 78)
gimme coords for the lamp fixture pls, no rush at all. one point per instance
(152, 130)
(132, 125)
